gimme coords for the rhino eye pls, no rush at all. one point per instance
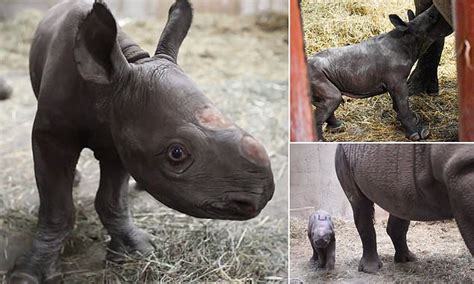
(177, 153)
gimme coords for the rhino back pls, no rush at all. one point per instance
(365, 69)
(399, 178)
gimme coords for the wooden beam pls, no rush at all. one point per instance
(301, 118)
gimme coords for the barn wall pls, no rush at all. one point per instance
(314, 184)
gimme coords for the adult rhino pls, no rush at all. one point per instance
(412, 182)
(424, 79)
(140, 115)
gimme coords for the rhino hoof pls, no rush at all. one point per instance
(140, 244)
(335, 129)
(424, 133)
(22, 277)
(415, 136)
(372, 266)
(421, 135)
(405, 257)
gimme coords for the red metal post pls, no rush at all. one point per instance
(464, 26)
(301, 118)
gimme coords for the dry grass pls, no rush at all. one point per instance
(188, 249)
(343, 22)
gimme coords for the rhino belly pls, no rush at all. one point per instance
(399, 179)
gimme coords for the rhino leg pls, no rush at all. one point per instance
(331, 255)
(397, 230)
(424, 78)
(315, 256)
(363, 210)
(111, 204)
(334, 124)
(399, 95)
(322, 258)
(328, 98)
(55, 158)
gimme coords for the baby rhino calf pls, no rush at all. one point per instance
(322, 238)
(375, 66)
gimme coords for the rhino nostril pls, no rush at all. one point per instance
(320, 243)
(253, 151)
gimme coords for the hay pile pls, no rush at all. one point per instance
(188, 249)
(343, 22)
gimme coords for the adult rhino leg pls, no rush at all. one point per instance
(55, 159)
(424, 79)
(397, 230)
(363, 211)
(111, 204)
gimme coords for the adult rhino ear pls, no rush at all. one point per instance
(96, 53)
(411, 15)
(180, 17)
(398, 23)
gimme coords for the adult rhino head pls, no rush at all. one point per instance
(169, 135)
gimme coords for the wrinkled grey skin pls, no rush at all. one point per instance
(422, 182)
(424, 79)
(375, 66)
(140, 115)
(5, 89)
(323, 239)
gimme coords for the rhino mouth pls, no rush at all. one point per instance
(235, 208)
(321, 243)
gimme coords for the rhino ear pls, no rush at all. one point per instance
(95, 51)
(411, 15)
(180, 17)
(398, 22)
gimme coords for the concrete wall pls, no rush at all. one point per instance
(139, 9)
(314, 184)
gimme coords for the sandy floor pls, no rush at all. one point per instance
(442, 255)
(241, 67)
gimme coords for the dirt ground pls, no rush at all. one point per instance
(242, 67)
(442, 255)
(329, 24)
